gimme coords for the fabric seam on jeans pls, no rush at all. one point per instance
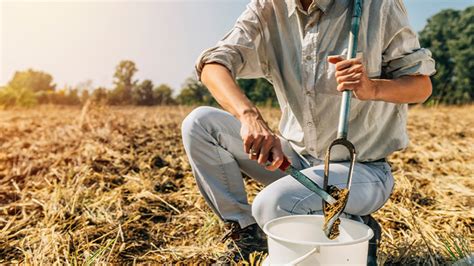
(221, 166)
(217, 145)
(386, 200)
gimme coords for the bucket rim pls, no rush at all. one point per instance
(270, 235)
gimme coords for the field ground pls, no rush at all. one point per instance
(113, 185)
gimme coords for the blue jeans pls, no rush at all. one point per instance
(212, 141)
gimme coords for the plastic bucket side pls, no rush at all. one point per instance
(292, 237)
(285, 253)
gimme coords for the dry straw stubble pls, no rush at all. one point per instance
(113, 185)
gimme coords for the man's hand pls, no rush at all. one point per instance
(260, 141)
(351, 75)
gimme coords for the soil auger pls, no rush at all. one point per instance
(332, 213)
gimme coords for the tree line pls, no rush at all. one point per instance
(32, 87)
(449, 35)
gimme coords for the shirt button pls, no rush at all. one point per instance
(310, 124)
(308, 93)
(311, 149)
(308, 57)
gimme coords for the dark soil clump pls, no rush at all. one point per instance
(330, 211)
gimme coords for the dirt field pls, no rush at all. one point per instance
(113, 185)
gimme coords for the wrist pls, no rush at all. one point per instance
(375, 84)
(248, 114)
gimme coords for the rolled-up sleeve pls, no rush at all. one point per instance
(240, 50)
(402, 54)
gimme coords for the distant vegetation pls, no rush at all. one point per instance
(31, 87)
(449, 35)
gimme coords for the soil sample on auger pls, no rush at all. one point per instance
(331, 210)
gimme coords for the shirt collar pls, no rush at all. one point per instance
(292, 5)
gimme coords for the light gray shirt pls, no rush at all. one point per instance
(281, 42)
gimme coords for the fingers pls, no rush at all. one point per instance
(354, 69)
(256, 147)
(277, 160)
(349, 77)
(348, 85)
(248, 140)
(265, 150)
(270, 150)
(334, 59)
(347, 63)
(342, 63)
(262, 145)
(348, 72)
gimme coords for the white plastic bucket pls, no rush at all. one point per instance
(300, 240)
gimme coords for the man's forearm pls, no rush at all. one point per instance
(260, 143)
(406, 89)
(223, 87)
(352, 75)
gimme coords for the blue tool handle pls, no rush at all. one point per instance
(351, 53)
(304, 180)
(310, 184)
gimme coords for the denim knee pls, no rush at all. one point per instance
(270, 203)
(282, 198)
(197, 117)
(260, 207)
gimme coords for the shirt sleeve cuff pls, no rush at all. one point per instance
(419, 62)
(215, 55)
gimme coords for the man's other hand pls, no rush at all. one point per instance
(260, 141)
(351, 75)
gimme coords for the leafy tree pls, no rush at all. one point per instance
(195, 93)
(85, 95)
(32, 80)
(449, 36)
(163, 95)
(10, 96)
(247, 86)
(38, 82)
(100, 95)
(65, 96)
(72, 97)
(143, 93)
(259, 91)
(124, 83)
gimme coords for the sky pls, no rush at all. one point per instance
(77, 41)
